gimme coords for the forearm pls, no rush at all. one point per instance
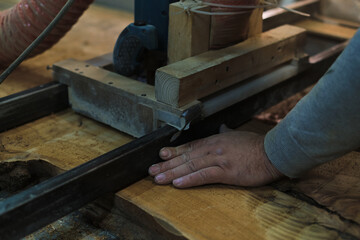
(325, 124)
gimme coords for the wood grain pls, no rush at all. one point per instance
(188, 32)
(224, 212)
(334, 185)
(286, 210)
(65, 140)
(327, 29)
(193, 78)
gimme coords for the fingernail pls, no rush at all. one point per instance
(178, 182)
(154, 169)
(164, 153)
(160, 178)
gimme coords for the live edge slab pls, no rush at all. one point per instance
(323, 204)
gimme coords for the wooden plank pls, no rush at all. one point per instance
(327, 29)
(280, 212)
(180, 83)
(225, 212)
(334, 185)
(64, 139)
(337, 21)
(188, 32)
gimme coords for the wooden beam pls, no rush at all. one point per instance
(188, 32)
(196, 77)
(327, 30)
(256, 22)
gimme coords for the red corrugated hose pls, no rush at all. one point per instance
(20, 25)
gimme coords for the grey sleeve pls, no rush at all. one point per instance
(325, 124)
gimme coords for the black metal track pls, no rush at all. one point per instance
(32, 104)
(48, 201)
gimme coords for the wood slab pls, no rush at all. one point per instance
(225, 212)
(65, 140)
(324, 204)
(334, 185)
(327, 30)
(193, 78)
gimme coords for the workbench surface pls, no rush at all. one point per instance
(323, 204)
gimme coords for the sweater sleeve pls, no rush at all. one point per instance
(325, 124)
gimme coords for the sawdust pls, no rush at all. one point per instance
(277, 112)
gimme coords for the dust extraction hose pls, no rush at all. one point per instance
(22, 24)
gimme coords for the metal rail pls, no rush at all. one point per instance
(32, 104)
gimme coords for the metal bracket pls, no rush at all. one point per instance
(123, 103)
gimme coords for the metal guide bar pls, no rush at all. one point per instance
(32, 104)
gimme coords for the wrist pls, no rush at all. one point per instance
(271, 171)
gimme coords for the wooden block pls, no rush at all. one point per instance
(188, 32)
(327, 29)
(180, 83)
(227, 30)
(256, 22)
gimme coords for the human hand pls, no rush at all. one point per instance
(235, 158)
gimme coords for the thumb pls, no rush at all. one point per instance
(223, 129)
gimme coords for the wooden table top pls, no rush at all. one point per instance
(324, 204)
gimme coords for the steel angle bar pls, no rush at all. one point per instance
(32, 104)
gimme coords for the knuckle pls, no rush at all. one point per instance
(192, 166)
(190, 146)
(203, 177)
(165, 166)
(223, 164)
(170, 175)
(186, 157)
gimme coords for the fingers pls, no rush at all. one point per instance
(223, 129)
(186, 168)
(170, 164)
(204, 176)
(171, 152)
(177, 156)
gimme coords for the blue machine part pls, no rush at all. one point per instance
(149, 32)
(130, 46)
(156, 13)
